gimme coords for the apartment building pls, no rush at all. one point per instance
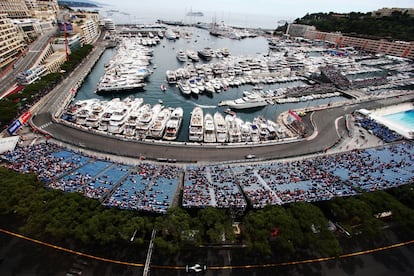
(11, 42)
(394, 48)
(14, 9)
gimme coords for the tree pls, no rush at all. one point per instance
(314, 226)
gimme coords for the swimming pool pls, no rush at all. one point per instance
(405, 119)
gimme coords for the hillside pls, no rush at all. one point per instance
(79, 3)
(397, 26)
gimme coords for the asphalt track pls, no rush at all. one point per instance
(324, 121)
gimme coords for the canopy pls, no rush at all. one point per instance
(8, 143)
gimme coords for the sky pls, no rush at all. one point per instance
(281, 8)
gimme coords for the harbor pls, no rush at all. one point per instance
(217, 74)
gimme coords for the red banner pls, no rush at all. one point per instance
(294, 115)
(25, 117)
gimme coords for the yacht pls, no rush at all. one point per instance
(82, 115)
(225, 52)
(157, 128)
(174, 124)
(171, 77)
(253, 100)
(131, 122)
(107, 114)
(244, 130)
(233, 128)
(118, 118)
(193, 86)
(184, 88)
(209, 129)
(145, 119)
(196, 125)
(181, 56)
(170, 34)
(192, 55)
(96, 111)
(254, 132)
(221, 128)
(206, 53)
(262, 128)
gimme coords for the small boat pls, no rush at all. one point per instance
(229, 111)
(163, 87)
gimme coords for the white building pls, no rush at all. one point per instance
(11, 42)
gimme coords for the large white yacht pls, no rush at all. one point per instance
(107, 114)
(209, 129)
(252, 100)
(244, 130)
(170, 34)
(94, 117)
(145, 119)
(120, 113)
(221, 128)
(233, 128)
(131, 121)
(158, 127)
(174, 124)
(196, 125)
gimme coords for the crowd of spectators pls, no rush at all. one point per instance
(378, 129)
(153, 187)
(334, 76)
(369, 82)
(321, 88)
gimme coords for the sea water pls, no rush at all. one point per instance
(164, 59)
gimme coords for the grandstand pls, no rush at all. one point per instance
(154, 187)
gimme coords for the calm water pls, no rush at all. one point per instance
(140, 15)
(405, 118)
(165, 59)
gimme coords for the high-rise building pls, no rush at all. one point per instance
(11, 41)
(14, 8)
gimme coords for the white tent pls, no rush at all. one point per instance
(8, 143)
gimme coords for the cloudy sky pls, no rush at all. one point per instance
(286, 8)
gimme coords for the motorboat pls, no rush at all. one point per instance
(206, 53)
(184, 88)
(174, 124)
(193, 86)
(209, 129)
(196, 127)
(171, 77)
(181, 56)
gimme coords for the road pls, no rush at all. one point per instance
(25, 62)
(324, 120)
